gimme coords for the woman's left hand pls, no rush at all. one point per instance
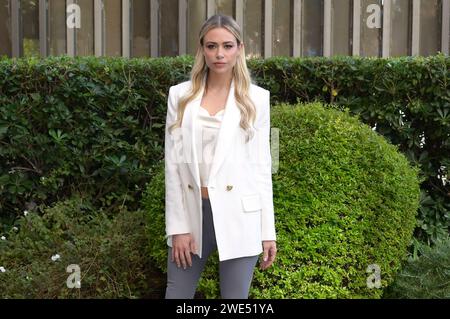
(270, 251)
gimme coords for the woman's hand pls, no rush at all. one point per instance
(182, 247)
(270, 251)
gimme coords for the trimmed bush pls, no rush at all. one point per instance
(407, 100)
(345, 201)
(95, 125)
(426, 276)
(109, 252)
(85, 125)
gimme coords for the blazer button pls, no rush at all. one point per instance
(190, 186)
(229, 187)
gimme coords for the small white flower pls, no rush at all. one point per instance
(3, 238)
(2, 269)
(28, 278)
(56, 257)
(25, 212)
(15, 228)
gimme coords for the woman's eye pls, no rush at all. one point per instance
(211, 46)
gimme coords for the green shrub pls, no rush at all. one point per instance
(94, 126)
(344, 199)
(426, 276)
(109, 252)
(85, 125)
(407, 99)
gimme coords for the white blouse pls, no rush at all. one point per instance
(209, 126)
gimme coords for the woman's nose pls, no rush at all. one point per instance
(219, 53)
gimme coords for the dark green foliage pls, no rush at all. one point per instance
(344, 199)
(94, 126)
(406, 98)
(427, 276)
(109, 252)
(91, 126)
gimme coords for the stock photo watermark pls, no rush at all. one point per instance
(74, 279)
(73, 16)
(373, 21)
(373, 280)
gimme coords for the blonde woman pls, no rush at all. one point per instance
(218, 168)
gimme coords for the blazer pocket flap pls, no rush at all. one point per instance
(251, 203)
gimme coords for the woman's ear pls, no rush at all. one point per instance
(241, 46)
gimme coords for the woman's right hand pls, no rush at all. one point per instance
(182, 246)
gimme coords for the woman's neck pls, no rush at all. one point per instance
(215, 83)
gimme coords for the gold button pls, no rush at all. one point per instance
(229, 187)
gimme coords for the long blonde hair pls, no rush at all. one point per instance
(241, 75)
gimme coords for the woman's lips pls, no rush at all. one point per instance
(219, 64)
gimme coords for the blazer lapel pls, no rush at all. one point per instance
(230, 123)
(226, 135)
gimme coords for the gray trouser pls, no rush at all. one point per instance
(235, 274)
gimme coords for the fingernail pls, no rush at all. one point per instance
(265, 258)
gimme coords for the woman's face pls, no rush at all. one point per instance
(220, 50)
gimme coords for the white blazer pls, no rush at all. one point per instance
(240, 180)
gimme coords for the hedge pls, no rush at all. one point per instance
(94, 126)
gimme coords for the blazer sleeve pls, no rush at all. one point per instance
(264, 171)
(177, 221)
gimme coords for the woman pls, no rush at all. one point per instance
(218, 168)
